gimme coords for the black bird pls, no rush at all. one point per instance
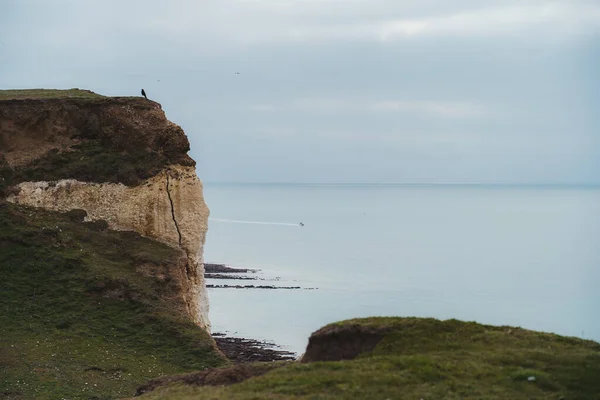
(144, 94)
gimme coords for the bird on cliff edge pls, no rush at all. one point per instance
(144, 94)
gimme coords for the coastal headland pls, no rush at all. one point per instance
(104, 294)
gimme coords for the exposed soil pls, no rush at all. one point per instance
(334, 343)
(104, 139)
(211, 377)
(245, 353)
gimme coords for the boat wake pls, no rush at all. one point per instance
(237, 221)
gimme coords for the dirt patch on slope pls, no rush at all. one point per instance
(334, 343)
(211, 377)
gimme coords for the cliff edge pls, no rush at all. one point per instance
(406, 358)
(117, 158)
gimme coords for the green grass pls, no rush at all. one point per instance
(78, 319)
(431, 359)
(93, 161)
(20, 94)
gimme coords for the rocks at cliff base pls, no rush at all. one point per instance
(224, 269)
(254, 287)
(223, 276)
(240, 350)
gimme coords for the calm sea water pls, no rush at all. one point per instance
(522, 256)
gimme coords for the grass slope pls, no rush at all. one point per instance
(430, 359)
(92, 161)
(20, 94)
(77, 320)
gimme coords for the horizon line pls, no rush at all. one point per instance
(398, 183)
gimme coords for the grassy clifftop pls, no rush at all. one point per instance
(412, 358)
(89, 313)
(20, 94)
(48, 135)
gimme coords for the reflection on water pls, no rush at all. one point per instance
(501, 255)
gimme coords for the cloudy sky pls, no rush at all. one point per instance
(501, 91)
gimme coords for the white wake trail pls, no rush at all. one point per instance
(237, 221)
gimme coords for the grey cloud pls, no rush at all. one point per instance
(332, 90)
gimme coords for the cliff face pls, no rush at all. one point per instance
(120, 160)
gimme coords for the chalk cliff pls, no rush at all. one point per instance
(117, 158)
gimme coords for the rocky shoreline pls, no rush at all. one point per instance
(242, 350)
(223, 276)
(210, 268)
(253, 287)
(222, 271)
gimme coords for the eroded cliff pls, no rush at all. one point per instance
(117, 158)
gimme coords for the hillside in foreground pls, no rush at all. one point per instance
(87, 312)
(91, 313)
(410, 358)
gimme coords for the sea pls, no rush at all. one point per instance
(525, 256)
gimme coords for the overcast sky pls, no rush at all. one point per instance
(337, 90)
